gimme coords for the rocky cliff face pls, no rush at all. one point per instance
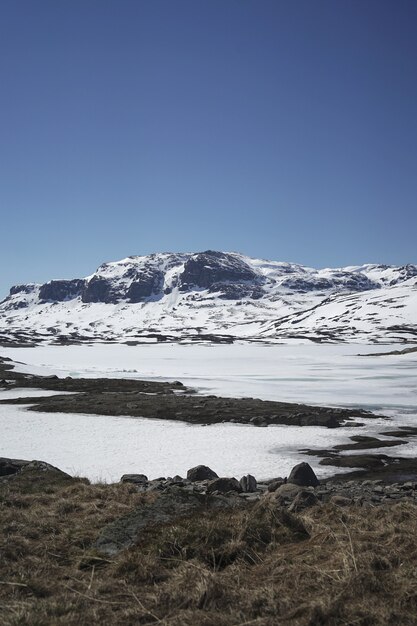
(217, 293)
(206, 269)
(61, 290)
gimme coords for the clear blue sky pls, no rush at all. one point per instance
(281, 129)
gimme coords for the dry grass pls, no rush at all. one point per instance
(257, 567)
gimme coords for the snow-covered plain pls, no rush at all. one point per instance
(106, 447)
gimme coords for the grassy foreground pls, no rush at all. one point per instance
(256, 565)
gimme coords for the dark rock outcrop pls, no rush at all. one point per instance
(205, 269)
(354, 281)
(9, 467)
(22, 289)
(61, 290)
(405, 272)
(135, 285)
(145, 285)
(236, 291)
(42, 466)
(100, 289)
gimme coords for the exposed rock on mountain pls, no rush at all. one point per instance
(60, 290)
(206, 269)
(216, 296)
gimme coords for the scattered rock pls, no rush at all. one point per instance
(201, 472)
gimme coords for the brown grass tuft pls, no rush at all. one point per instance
(257, 566)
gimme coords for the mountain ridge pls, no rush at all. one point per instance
(226, 295)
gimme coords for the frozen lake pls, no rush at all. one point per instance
(106, 447)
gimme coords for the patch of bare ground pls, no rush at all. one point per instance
(256, 565)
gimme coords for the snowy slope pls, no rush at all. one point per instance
(218, 296)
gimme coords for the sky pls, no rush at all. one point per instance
(282, 129)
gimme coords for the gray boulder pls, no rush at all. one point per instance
(248, 483)
(274, 484)
(303, 500)
(224, 485)
(303, 475)
(201, 472)
(136, 479)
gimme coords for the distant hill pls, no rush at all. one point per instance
(216, 296)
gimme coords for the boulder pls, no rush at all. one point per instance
(303, 475)
(274, 484)
(303, 500)
(248, 483)
(201, 472)
(136, 479)
(224, 485)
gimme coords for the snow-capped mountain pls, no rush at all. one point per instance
(219, 296)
